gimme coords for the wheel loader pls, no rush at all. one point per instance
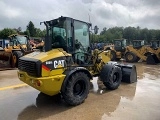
(139, 51)
(118, 49)
(67, 64)
(12, 49)
(133, 53)
(155, 48)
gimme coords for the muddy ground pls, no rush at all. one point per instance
(137, 101)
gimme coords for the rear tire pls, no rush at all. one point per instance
(76, 89)
(111, 76)
(130, 57)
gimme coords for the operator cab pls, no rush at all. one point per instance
(138, 43)
(21, 40)
(71, 35)
(18, 39)
(120, 45)
(155, 44)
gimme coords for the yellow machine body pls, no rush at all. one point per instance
(16, 47)
(67, 64)
(51, 81)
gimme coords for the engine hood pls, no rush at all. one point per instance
(44, 56)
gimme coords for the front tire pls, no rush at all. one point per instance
(16, 56)
(130, 57)
(76, 89)
(111, 76)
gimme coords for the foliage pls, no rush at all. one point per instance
(27, 33)
(34, 32)
(105, 36)
(129, 33)
(39, 32)
(31, 29)
(6, 32)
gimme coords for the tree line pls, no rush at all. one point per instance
(31, 31)
(129, 33)
(105, 36)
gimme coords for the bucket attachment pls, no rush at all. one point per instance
(152, 59)
(129, 73)
(5, 61)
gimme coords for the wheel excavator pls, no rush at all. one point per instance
(67, 64)
(12, 49)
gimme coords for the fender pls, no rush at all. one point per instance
(71, 71)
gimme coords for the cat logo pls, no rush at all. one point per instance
(58, 63)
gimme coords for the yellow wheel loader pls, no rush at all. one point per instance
(139, 51)
(67, 64)
(13, 48)
(155, 48)
(118, 49)
(135, 52)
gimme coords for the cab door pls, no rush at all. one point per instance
(81, 42)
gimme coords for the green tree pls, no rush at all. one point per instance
(31, 29)
(138, 33)
(118, 34)
(130, 33)
(27, 33)
(40, 33)
(6, 32)
(103, 31)
(37, 32)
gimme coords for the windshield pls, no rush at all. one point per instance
(118, 43)
(81, 35)
(124, 43)
(58, 37)
(138, 43)
(22, 39)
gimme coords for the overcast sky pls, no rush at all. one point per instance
(103, 13)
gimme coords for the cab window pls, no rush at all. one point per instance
(61, 35)
(81, 35)
(81, 41)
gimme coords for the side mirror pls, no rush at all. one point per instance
(95, 29)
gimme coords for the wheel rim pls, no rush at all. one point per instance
(130, 57)
(79, 88)
(115, 77)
